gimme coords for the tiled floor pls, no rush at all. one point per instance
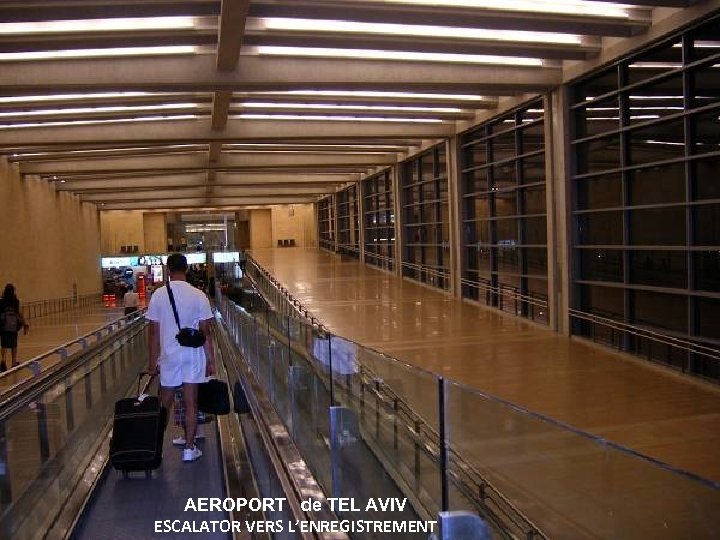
(51, 331)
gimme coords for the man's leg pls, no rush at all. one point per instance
(167, 396)
(190, 399)
(13, 352)
(3, 352)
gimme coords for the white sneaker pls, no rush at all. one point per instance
(191, 454)
(180, 441)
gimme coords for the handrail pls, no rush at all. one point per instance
(427, 269)
(514, 292)
(665, 339)
(34, 364)
(429, 436)
(349, 247)
(298, 309)
(40, 378)
(295, 478)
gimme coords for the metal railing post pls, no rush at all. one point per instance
(443, 446)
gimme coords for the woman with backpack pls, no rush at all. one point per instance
(11, 321)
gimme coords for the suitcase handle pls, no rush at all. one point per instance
(147, 384)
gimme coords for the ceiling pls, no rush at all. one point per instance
(208, 104)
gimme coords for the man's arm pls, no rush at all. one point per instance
(153, 346)
(209, 350)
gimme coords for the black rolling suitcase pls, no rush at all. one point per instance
(138, 430)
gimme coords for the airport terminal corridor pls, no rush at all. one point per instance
(459, 257)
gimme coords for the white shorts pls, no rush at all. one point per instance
(175, 371)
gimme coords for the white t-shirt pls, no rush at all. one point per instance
(192, 306)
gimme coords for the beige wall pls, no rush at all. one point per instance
(49, 239)
(147, 230)
(295, 221)
(122, 228)
(155, 233)
(261, 233)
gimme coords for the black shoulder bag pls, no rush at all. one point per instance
(186, 337)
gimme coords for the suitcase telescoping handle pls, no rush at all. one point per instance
(147, 384)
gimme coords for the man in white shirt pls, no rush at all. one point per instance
(178, 365)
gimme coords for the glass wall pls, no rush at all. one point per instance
(326, 223)
(379, 222)
(504, 231)
(348, 215)
(426, 218)
(198, 232)
(646, 208)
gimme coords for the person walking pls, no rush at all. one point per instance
(180, 366)
(131, 301)
(242, 260)
(11, 322)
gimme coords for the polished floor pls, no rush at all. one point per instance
(656, 412)
(53, 330)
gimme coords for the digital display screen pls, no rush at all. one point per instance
(118, 262)
(226, 256)
(196, 258)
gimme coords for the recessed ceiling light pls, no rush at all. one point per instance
(90, 110)
(369, 94)
(334, 118)
(398, 55)
(251, 105)
(575, 7)
(64, 97)
(92, 122)
(97, 53)
(320, 26)
(98, 25)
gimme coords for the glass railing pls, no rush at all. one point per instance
(450, 447)
(50, 431)
(326, 416)
(29, 369)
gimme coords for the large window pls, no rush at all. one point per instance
(379, 220)
(348, 216)
(326, 223)
(646, 209)
(425, 218)
(503, 213)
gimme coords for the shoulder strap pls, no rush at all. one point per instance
(172, 303)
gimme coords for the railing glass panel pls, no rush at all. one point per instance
(526, 475)
(49, 433)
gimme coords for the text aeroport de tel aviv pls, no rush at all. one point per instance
(272, 504)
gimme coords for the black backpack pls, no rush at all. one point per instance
(10, 320)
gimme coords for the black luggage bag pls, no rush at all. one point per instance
(138, 430)
(213, 397)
